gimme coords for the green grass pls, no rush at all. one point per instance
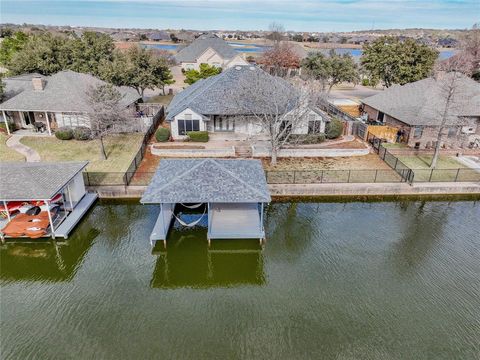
(447, 169)
(7, 154)
(423, 162)
(120, 150)
(394, 145)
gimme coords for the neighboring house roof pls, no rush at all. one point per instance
(207, 180)
(193, 51)
(422, 102)
(36, 181)
(227, 93)
(16, 84)
(65, 91)
(160, 35)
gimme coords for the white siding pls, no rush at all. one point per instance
(77, 188)
(72, 120)
(181, 116)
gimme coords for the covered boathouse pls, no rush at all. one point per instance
(41, 199)
(233, 191)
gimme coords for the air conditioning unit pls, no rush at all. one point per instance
(468, 130)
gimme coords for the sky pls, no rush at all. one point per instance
(298, 15)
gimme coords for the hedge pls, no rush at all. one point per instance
(334, 129)
(82, 133)
(198, 136)
(162, 134)
(64, 133)
(306, 138)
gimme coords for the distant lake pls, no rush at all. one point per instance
(257, 48)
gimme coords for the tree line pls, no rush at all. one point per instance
(93, 53)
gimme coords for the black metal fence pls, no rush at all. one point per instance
(125, 178)
(332, 176)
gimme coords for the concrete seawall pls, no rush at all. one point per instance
(352, 189)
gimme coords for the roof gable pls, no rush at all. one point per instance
(207, 180)
(421, 102)
(64, 91)
(193, 51)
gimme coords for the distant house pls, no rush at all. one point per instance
(50, 102)
(159, 36)
(212, 105)
(416, 108)
(209, 49)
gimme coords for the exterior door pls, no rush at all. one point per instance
(223, 124)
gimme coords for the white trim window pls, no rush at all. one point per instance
(185, 126)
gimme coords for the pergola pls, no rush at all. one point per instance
(233, 190)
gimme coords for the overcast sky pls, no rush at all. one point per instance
(300, 15)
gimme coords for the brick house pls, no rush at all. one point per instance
(416, 108)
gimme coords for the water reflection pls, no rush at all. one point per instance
(49, 261)
(189, 262)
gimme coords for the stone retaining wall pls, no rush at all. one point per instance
(261, 151)
(217, 152)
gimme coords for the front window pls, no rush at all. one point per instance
(417, 133)
(188, 125)
(314, 127)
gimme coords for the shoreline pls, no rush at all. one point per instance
(331, 190)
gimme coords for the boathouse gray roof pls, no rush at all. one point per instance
(207, 180)
(193, 51)
(65, 91)
(421, 103)
(36, 180)
(228, 92)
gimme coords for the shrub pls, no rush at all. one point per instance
(365, 82)
(82, 133)
(162, 134)
(334, 129)
(306, 138)
(198, 136)
(64, 133)
(11, 126)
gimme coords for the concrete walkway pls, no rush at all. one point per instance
(30, 155)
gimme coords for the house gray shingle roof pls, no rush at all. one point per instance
(207, 180)
(193, 51)
(16, 84)
(36, 181)
(221, 94)
(421, 103)
(65, 91)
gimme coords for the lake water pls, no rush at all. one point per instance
(340, 280)
(256, 48)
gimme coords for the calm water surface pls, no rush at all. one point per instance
(384, 280)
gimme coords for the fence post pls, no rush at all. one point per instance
(349, 172)
(456, 176)
(294, 176)
(431, 173)
(376, 172)
(88, 178)
(125, 181)
(321, 177)
(396, 162)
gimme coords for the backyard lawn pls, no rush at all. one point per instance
(120, 151)
(7, 154)
(364, 169)
(447, 168)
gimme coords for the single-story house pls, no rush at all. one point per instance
(55, 101)
(213, 105)
(159, 36)
(209, 49)
(416, 110)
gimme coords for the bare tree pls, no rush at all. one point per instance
(106, 112)
(449, 85)
(276, 33)
(273, 106)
